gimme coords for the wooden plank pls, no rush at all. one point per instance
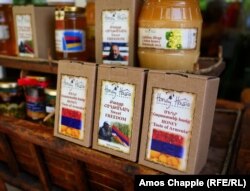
(2, 185)
(30, 64)
(23, 180)
(224, 138)
(81, 178)
(9, 155)
(42, 171)
(43, 136)
(104, 176)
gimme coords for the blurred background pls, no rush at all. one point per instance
(226, 23)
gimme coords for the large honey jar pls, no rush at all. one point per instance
(169, 34)
(70, 33)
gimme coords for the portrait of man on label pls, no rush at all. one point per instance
(105, 132)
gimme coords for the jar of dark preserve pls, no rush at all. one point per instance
(70, 33)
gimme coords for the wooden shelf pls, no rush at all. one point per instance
(56, 162)
(31, 64)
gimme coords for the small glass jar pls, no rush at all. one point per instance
(35, 97)
(70, 33)
(12, 102)
(50, 97)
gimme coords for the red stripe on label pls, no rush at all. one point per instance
(71, 113)
(168, 137)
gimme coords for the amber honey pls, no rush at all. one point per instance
(70, 33)
(169, 34)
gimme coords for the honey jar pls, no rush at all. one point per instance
(70, 33)
(169, 34)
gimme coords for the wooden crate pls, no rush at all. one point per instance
(243, 156)
(224, 138)
(63, 165)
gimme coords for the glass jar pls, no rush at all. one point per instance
(50, 97)
(7, 33)
(70, 33)
(169, 34)
(12, 102)
(35, 96)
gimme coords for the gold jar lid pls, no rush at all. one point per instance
(50, 92)
(73, 9)
(39, 78)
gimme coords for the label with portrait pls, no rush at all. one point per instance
(116, 115)
(115, 36)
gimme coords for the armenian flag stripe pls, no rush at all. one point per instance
(70, 122)
(71, 113)
(73, 45)
(123, 137)
(168, 137)
(72, 38)
(167, 148)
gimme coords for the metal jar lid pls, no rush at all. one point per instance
(50, 92)
(8, 85)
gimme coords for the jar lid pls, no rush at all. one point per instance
(51, 92)
(72, 9)
(39, 78)
(6, 85)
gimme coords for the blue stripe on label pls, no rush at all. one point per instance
(116, 43)
(70, 122)
(167, 148)
(35, 107)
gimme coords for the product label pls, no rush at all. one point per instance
(50, 109)
(70, 40)
(4, 32)
(170, 128)
(25, 35)
(73, 106)
(35, 102)
(164, 38)
(116, 115)
(115, 36)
